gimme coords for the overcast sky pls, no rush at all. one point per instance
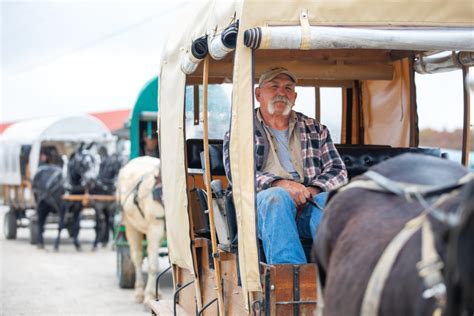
(63, 57)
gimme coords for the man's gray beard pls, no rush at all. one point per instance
(288, 106)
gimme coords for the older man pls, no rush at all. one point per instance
(297, 164)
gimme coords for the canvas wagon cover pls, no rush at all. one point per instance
(33, 132)
(208, 16)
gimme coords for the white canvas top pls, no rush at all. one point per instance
(80, 128)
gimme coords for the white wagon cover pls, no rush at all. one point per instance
(51, 129)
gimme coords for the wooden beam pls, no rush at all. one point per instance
(466, 136)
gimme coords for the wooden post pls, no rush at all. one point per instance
(466, 136)
(317, 99)
(196, 104)
(217, 268)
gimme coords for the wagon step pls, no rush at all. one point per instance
(165, 307)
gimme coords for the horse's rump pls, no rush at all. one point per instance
(134, 191)
(48, 184)
(358, 225)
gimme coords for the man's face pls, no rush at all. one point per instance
(277, 96)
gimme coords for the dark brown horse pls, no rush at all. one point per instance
(359, 224)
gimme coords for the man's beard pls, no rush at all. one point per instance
(279, 98)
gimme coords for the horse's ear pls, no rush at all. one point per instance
(90, 145)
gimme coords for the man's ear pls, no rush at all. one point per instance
(257, 93)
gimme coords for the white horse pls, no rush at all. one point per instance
(142, 215)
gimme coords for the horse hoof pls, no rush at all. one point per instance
(139, 296)
(146, 308)
(148, 298)
(40, 246)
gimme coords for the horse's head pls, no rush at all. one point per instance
(459, 271)
(108, 172)
(83, 167)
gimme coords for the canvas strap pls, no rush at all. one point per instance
(305, 30)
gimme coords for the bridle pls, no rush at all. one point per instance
(430, 266)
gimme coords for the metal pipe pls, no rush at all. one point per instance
(175, 296)
(158, 282)
(454, 61)
(327, 37)
(206, 306)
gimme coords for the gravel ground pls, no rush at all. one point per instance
(44, 282)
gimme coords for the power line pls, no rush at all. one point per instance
(97, 40)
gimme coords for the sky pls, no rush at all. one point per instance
(78, 56)
(63, 57)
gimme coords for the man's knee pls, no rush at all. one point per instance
(274, 195)
(321, 199)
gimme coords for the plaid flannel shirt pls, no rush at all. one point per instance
(322, 164)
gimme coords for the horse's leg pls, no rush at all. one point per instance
(61, 225)
(135, 239)
(104, 237)
(155, 235)
(42, 213)
(76, 211)
(109, 225)
(98, 225)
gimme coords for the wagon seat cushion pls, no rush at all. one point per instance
(358, 158)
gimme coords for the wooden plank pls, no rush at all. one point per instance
(89, 197)
(165, 307)
(186, 298)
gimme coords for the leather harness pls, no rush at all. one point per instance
(430, 266)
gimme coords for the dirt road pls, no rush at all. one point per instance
(43, 282)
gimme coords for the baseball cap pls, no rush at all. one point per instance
(273, 72)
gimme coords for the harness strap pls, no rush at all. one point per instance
(134, 190)
(373, 292)
(418, 192)
(135, 196)
(430, 266)
(46, 196)
(372, 185)
(381, 183)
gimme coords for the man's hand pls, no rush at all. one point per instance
(314, 191)
(299, 193)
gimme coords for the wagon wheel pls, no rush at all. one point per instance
(125, 268)
(10, 224)
(33, 225)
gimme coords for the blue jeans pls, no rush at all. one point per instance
(278, 228)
